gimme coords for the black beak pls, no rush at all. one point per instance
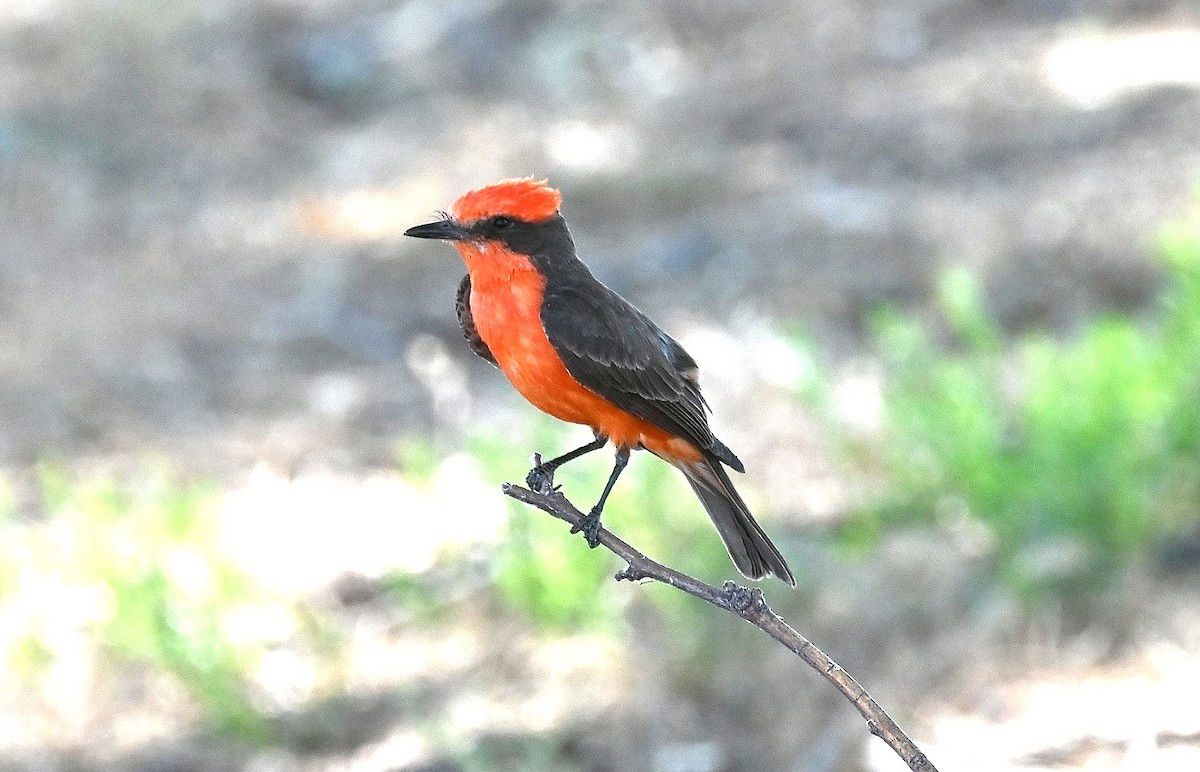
(447, 230)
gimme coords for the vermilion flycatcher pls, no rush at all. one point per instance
(580, 352)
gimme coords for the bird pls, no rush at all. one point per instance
(580, 352)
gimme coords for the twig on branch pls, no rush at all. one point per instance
(750, 605)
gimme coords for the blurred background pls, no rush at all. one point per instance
(939, 261)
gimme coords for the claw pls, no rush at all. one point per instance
(541, 480)
(590, 526)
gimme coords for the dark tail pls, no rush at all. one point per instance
(752, 552)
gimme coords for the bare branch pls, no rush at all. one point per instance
(750, 605)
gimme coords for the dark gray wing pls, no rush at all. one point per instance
(616, 351)
(462, 307)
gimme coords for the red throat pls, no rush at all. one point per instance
(491, 265)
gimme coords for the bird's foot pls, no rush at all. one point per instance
(590, 526)
(541, 478)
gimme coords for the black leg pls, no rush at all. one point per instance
(541, 477)
(590, 525)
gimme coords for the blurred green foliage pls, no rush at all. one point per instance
(130, 574)
(1074, 454)
(134, 570)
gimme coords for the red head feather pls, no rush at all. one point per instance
(522, 199)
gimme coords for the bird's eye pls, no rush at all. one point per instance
(501, 222)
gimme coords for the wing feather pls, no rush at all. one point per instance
(466, 322)
(616, 351)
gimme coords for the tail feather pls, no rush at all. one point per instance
(722, 452)
(748, 546)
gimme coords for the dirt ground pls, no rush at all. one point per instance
(200, 260)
